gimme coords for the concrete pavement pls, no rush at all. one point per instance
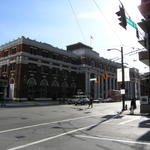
(27, 103)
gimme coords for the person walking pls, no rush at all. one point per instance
(90, 103)
(133, 106)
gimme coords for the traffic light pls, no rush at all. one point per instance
(122, 17)
(105, 75)
(98, 79)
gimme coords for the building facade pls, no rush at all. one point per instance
(39, 71)
(144, 56)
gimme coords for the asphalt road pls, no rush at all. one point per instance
(69, 127)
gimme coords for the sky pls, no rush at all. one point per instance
(64, 22)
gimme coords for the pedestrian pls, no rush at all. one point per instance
(90, 103)
(133, 106)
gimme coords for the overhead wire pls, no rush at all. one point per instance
(130, 54)
(80, 29)
(76, 19)
(107, 21)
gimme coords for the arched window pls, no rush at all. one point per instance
(55, 84)
(73, 85)
(31, 88)
(44, 88)
(44, 82)
(64, 84)
(31, 82)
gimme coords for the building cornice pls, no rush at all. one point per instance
(37, 44)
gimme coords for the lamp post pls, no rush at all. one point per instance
(123, 81)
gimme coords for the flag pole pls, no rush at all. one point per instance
(91, 38)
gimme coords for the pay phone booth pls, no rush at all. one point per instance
(3, 90)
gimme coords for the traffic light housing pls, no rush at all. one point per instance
(122, 17)
(98, 79)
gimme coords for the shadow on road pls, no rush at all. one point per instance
(145, 124)
(106, 118)
(146, 136)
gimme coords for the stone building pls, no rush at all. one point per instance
(39, 71)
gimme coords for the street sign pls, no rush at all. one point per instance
(126, 74)
(131, 23)
(93, 79)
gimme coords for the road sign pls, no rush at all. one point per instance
(93, 79)
(131, 23)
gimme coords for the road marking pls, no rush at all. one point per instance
(113, 140)
(53, 137)
(127, 121)
(47, 123)
(49, 138)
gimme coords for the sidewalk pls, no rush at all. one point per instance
(27, 103)
(136, 111)
(127, 112)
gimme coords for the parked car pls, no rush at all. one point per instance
(98, 100)
(109, 99)
(70, 101)
(82, 101)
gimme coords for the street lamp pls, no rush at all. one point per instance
(123, 81)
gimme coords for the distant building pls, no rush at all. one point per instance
(39, 71)
(133, 86)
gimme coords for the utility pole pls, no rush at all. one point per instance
(123, 77)
(123, 81)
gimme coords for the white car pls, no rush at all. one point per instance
(107, 99)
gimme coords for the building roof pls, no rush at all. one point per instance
(78, 46)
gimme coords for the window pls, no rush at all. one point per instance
(14, 50)
(12, 66)
(33, 50)
(4, 68)
(32, 67)
(45, 54)
(44, 69)
(5, 53)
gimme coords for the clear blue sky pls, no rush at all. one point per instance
(53, 22)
